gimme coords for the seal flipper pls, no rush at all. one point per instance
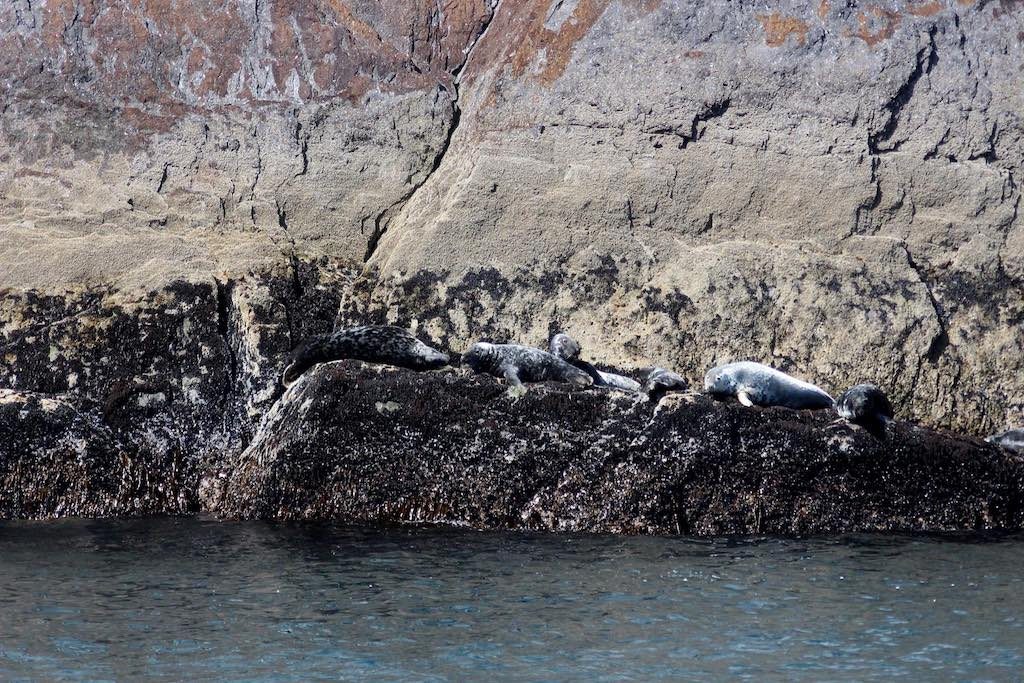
(745, 398)
(516, 388)
(595, 374)
(511, 374)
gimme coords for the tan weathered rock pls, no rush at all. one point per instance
(144, 142)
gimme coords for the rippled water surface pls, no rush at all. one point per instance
(196, 600)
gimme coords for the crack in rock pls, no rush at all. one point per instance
(927, 58)
(383, 219)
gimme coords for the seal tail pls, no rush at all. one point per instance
(592, 372)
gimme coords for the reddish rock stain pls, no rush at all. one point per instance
(149, 62)
(890, 22)
(778, 27)
(926, 9)
(823, 9)
(531, 40)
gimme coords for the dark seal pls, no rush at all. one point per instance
(866, 405)
(659, 381)
(370, 343)
(1011, 440)
(519, 364)
(568, 349)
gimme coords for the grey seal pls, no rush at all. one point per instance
(659, 381)
(371, 343)
(866, 405)
(518, 364)
(568, 349)
(755, 384)
(1011, 440)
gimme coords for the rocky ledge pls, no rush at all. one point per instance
(362, 444)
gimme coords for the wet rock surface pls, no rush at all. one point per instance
(361, 444)
(59, 459)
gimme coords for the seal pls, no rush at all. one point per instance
(866, 405)
(659, 381)
(568, 349)
(1011, 440)
(518, 364)
(371, 343)
(755, 384)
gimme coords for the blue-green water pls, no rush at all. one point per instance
(197, 600)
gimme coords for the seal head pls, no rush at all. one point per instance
(1011, 440)
(659, 381)
(565, 347)
(481, 357)
(866, 405)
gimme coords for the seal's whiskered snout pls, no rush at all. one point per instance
(430, 358)
(718, 383)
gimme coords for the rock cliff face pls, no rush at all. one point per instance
(188, 189)
(828, 187)
(357, 443)
(353, 443)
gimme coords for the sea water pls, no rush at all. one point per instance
(187, 599)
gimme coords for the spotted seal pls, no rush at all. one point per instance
(1011, 440)
(755, 384)
(568, 349)
(370, 343)
(518, 364)
(866, 405)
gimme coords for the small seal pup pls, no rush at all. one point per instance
(568, 349)
(370, 343)
(1011, 440)
(518, 364)
(755, 384)
(659, 381)
(866, 405)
